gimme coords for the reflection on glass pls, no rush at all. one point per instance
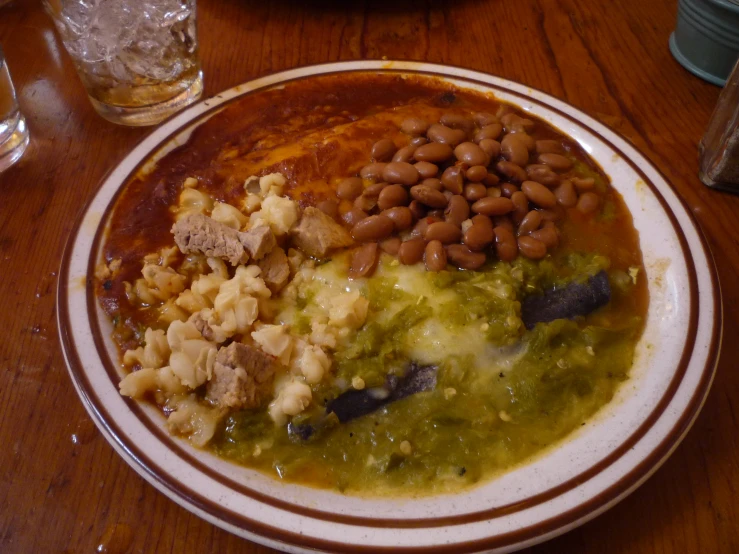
(13, 130)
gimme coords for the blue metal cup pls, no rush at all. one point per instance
(706, 38)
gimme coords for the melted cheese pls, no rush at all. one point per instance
(433, 340)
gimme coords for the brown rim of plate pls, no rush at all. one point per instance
(624, 485)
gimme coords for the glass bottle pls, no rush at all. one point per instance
(719, 147)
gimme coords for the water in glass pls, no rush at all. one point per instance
(138, 59)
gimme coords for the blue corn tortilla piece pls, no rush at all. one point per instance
(575, 299)
(418, 378)
(300, 431)
(356, 403)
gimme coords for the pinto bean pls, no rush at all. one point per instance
(481, 219)
(329, 207)
(366, 202)
(350, 188)
(464, 258)
(494, 192)
(428, 196)
(417, 209)
(453, 179)
(503, 221)
(478, 236)
(401, 173)
(514, 150)
(527, 140)
(432, 182)
(493, 206)
(475, 191)
(491, 131)
(372, 228)
(471, 154)
(510, 120)
(532, 248)
(405, 154)
(435, 256)
(547, 234)
(520, 205)
(392, 196)
(414, 126)
(457, 121)
(445, 135)
(373, 171)
(401, 216)
(513, 171)
(505, 244)
(374, 190)
(556, 161)
(566, 195)
(490, 147)
(353, 216)
(539, 194)
(542, 174)
(418, 141)
(457, 211)
(383, 150)
(476, 173)
(583, 183)
(419, 229)
(426, 169)
(530, 222)
(363, 260)
(507, 189)
(433, 152)
(491, 180)
(443, 231)
(588, 202)
(484, 119)
(411, 251)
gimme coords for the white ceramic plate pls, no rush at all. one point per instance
(596, 467)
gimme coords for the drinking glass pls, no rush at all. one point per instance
(13, 130)
(138, 59)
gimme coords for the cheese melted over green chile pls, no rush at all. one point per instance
(502, 394)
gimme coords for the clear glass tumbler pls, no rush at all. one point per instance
(13, 130)
(138, 59)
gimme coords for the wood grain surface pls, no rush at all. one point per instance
(63, 489)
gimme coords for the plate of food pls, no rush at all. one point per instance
(373, 306)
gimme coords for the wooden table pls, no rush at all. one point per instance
(62, 488)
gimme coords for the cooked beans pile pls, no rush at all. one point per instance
(464, 188)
